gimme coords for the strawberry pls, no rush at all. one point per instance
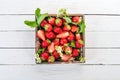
(68, 50)
(66, 27)
(58, 22)
(41, 34)
(45, 43)
(76, 19)
(51, 59)
(79, 44)
(56, 42)
(51, 20)
(48, 27)
(71, 37)
(74, 28)
(45, 55)
(51, 48)
(56, 54)
(63, 21)
(65, 57)
(50, 35)
(63, 35)
(63, 41)
(75, 53)
(57, 30)
(77, 36)
(43, 23)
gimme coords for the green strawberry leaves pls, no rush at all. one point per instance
(40, 50)
(39, 18)
(32, 24)
(81, 26)
(37, 13)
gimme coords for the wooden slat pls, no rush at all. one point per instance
(94, 23)
(26, 56)
(73, 6)
(17, 39)
(59, 72)
(27, 39)
(17, 56)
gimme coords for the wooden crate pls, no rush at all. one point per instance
(83, 38)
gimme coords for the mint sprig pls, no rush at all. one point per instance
(39, 18)
(81, 26)
(32, 24)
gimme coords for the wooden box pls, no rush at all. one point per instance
(82, 50)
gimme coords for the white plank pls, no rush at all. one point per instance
(59, 72)
(26, 56)
(15, 22)
(17, 56)
(27, 39)
(97, 23)
(102, 39)
(93, 22)
(17, 39)
(73, 6)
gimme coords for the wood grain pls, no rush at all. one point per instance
(59, 72)
(94, 23)
(27, 39)
(80, 6)
(26, 56)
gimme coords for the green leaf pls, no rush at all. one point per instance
(82, 59)
(41, 18)
(32, 24)
(81, 27)
(37, 13)
(67, 19)
(72, 44)
(40, 50)
(62, 12)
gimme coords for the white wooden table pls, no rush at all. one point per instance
(17, 45)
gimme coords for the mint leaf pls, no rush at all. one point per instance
(41, 18)
(67, 19)
(32, 24)
(40, 50)
(62, 12)
(37, 13)
(81, 27)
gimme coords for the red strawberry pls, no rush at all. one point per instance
(43, 23)
(68, 50)
(51, 48)
(50, 35)
(65, 57)
(51, 59)
(56, 54)
(58, 22)
(45, 55)
(45, 43)
(64, 21)
(48, 27)
(56, 42)
(51, 20)
(76, 19)
(74, 28)
(71, 37)
(41, 34)
(79, 44)
(57, 30)
(78, 36)
(75, 52)
(63, 35)
(66, 27)
(63, 41)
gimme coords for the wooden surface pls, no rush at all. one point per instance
(17, 45)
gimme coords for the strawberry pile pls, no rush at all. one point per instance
(59, 38)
